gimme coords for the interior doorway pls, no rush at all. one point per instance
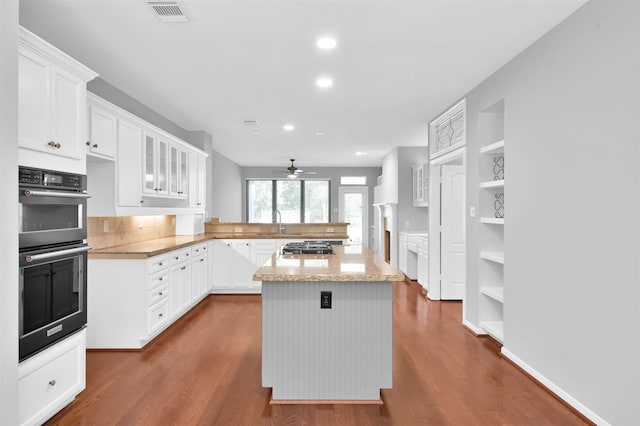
(353, 208)
(447, 238)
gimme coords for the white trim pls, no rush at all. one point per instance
(555, 388)
(364, 191)
(449, 156)
(478, 331)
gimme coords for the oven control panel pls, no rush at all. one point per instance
(50, 178)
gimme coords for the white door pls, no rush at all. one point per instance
(452, 233)
(354, 209)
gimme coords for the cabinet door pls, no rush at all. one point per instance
(183, 181)
(103, 132)
(149, 151)
(243, 267)
(162, 167)
(222, 267)
(174, 172)
(68, 113)
(129, 163)
(193, 179)
(199, 278)
(180, 288)
(34, 102)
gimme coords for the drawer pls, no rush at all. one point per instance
(158, 279)
(198, 249)
(180, 255)
(158, 293)
(412, 246)
(158, 263)
(49, 380)
(158, 316)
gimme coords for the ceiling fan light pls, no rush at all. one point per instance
(292, 176)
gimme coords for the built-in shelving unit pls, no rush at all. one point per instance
(491, 285)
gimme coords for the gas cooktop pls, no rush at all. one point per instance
(308, 247)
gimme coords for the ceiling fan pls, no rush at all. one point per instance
(292, 171)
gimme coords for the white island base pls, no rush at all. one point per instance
(337, 355)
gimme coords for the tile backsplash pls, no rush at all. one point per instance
(112, 231)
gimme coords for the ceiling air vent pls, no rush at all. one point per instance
(250, 123)
(169, 10)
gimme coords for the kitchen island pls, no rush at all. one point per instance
(327, 326)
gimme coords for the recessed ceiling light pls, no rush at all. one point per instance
(326, 43)
(319, 134)
(359, 153)
(256, 133)
(288, 127)
(324, 82)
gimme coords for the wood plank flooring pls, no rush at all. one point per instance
(205, 370)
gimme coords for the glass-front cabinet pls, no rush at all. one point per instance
(156, 165)
(178, 173)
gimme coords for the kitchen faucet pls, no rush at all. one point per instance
(277, 217)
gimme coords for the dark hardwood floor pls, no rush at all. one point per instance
(205, 370)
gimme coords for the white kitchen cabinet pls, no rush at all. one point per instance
(421, 185)
(51, 106)
(423, 261)
(402, 252)
(243, 266)
(197, 180)
(128, 164)
(51, 379)
(180, 278)
(131, 301)
(103, 129)
(222, 266)
(178, 171)
(200, 272)
(156, 164)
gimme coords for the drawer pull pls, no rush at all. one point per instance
(160, 279)
(160, 315)
(201, 260)
(177, 257)
(183, 268)
(187, 254)
(52, 382)
(160, 294)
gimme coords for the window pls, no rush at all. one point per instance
(353, 180)
(299, 201)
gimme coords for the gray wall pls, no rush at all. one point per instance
(572, 228)
(225, 188)
(333, 173)
(135, 107)
(8, 212)
(410, 218)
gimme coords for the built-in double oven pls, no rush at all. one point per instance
(52, 257)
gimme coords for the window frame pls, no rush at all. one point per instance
(274, 196)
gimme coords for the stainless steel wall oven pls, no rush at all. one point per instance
(52, 257)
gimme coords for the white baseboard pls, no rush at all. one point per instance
(555, 389)
(473, 328)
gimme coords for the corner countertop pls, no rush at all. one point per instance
(154, 247)
(349, 263)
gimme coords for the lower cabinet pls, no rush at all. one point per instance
(131, 301)
(233, 264)
(51, 379)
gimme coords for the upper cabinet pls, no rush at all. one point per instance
(421, 185)
(51, 106)
(153, 173)
(103, 129)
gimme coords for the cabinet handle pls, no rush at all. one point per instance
(187, 254)
(95, 145)
(160, 279)
(160, 264)
(87, 143)
(160, 315)
(160, 294)
(52, 382)
(53, 144)
(141, 201)
(201, 260)
(177, 257)
(183, 268)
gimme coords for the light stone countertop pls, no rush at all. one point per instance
(150, 248)
(350, 263)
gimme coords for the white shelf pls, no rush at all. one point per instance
(495, 147)
(493, 256)
(496, 293)
(495, 329)
(492, 184)
(492, 220)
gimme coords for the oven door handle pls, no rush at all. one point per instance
(45, 256)
(33, 193)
